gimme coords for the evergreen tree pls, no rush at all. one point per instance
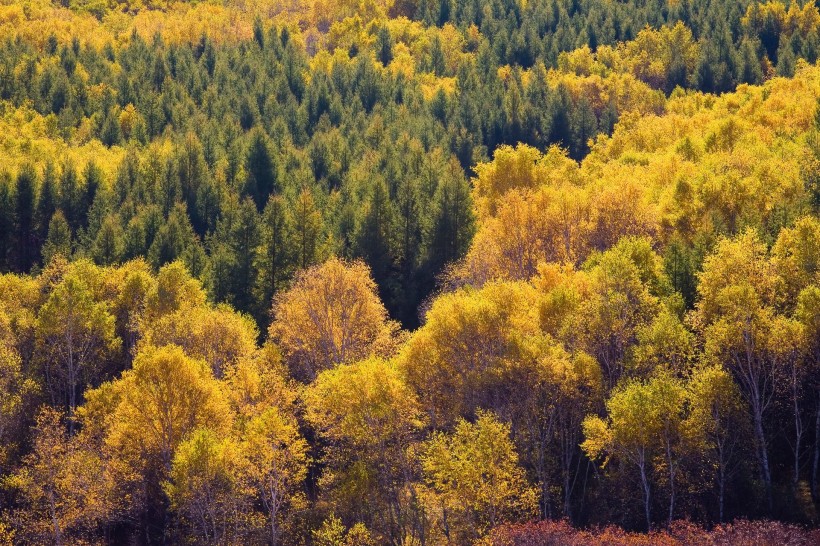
(24, 204)
(384, 45)
(70, 196)
(452, 226)
(307, 228)
(58, 241)
(108, 245)
(6, 221)
(372, 239)
(262, 170)
(46, 201)
(275, 255)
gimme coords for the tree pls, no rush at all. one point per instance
(469, 349)
(717, 417)
(165, 396)
(307, 228)
(220, 336)
(453, 224)
(475, 475)
(808, 314)
(108, 245)
(368, 416)
(331, 315)
(275, 260)
(263, 178)
(24, 202)
(74, 336)
(58, 242)
(70, 196)
(372, 240)
(6, 221)
(18, 391)
(206, 488)
(644, 419)
(736, 315)
(384, 45)
(63, 487)
(144, 416)
(238, 229)
(277, 458)
(46, 202)
(618, 306)
(175, 290)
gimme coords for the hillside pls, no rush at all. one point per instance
(412, 272)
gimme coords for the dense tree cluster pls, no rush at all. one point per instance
(351, 142)
(334, 273)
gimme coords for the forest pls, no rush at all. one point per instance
(410, 272)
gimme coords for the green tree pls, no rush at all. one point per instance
(307, 228)
(262, 170)
(275, 260)
(24, 203)
(58, 241)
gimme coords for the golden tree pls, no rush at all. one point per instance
(332, 314)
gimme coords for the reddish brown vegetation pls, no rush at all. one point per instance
(740, 533)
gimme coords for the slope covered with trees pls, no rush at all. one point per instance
(335, 273)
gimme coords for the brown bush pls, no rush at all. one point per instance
(739, 533)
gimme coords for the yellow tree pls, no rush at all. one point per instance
(716, 418)
(255, 384)
(276, 465)
(143, 417)
(165, 396)
(135, 282)
(619, 304)
(736, 314)
(207, 491)
(796, 257)
(643, 420)
(476, 479)
(472, 342)
(63, 487)
(175, 290)
(368, 416)
(220, 336)
(17, 391)
(808, 314)
(74, 336)
(332, 314)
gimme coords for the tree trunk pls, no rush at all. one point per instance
(671, 482)
(721, 491)
(763, 455)
(798, 425)
(646, 491)
(816, 460)
(58, 536)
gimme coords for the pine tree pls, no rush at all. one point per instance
(384, 45)
(46, 201)
(58, 241)
(453, 225)
(108, 244)
(70, 197)
(307, 227)
(24, 200)
(6, 221)
(263, 176)
(372, 239)
(275, 256)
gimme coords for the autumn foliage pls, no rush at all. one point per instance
(409, 272)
